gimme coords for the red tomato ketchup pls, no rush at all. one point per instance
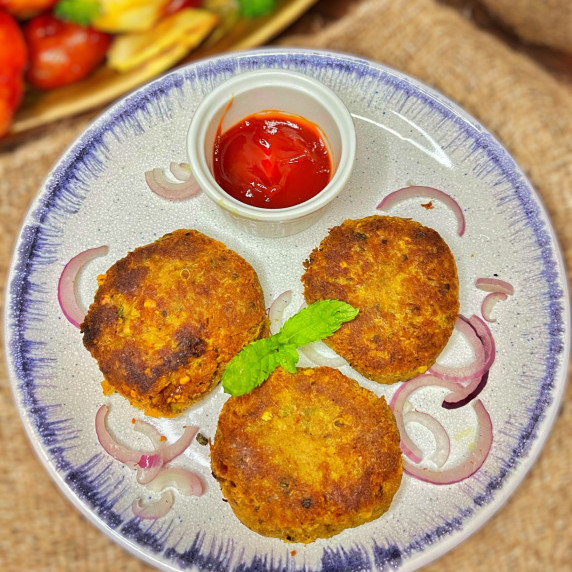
(272, 160)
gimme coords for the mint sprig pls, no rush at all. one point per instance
(256, 8)
(316, 322)
(254, 364)
(81, 12)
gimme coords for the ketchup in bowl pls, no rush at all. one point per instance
(272, 160)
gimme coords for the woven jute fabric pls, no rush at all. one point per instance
(543, 22)
(529, 111)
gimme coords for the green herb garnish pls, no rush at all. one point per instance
(252, 366)
(316, 322)
(256, 8)
(81, 12)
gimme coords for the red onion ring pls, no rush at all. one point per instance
(150, 431)
(442, 441)
(67, 293)
(468, 372)
(414, 453)
(422, 191)
(150, 464)
(468, 390)
(486, 338)
(154, 509)
(461, 389)
(494, 285)
(148, 468)
(465, 393)
(470, 465)
(407, 388)
(184, 481)
(125, 455)
(170, 452)
(313, 353)
(160, 185)
(181, 171)
(489, 303)
(397, 404)
(276, 310)
(135, 458)
(408, 447)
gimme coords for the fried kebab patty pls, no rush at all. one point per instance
(168, 317)
(307, 455)
(403, 278)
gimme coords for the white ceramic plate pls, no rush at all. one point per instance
(407, 134)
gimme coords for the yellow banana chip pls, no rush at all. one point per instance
(119, 16)
(154, 66)
(168, 42)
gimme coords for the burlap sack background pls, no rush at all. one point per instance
(524, 105)
(544, 22)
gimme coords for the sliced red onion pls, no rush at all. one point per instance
(150, 464)
(442, 441)
(155, 509)
(181, 171)
(467, 390)
(471, 371)
(422, 191)
(148, 467)
(489, 303)
(276, 310)
(398, 406)
(313, 352)
(67, 293)
(149, 461)
(415, 453)
(125, 455)
(486, 337)
(186, 482)
(170, 452)
(407, 388)
(494, 285)
(162, 186)
(465, 393)
(406, 444)
(135, 458)
(477, 456)
(150, 431)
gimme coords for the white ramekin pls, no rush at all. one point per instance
(278, 90)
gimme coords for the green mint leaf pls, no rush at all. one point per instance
(316, 322)
(81, 12)
(251, 367)
(256, 361)
(256, 8)
(288, 356)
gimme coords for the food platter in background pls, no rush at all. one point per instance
(105, 85)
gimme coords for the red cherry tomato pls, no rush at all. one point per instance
(62, 52)
(177, 5)
(272, 160)
(13, 59)
(27, 8)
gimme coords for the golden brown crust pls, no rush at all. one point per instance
(307, 455)
(403, 278)
(168, 317)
